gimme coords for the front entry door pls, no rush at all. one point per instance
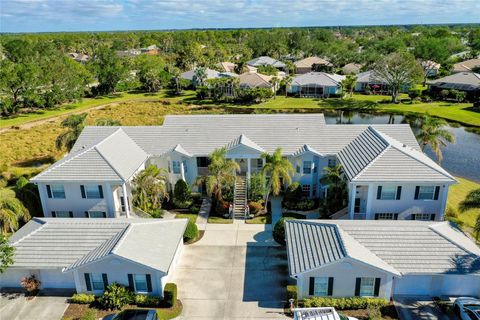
(243, 166)
(356, 209)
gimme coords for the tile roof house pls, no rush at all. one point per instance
(266, 61)
(255, 80)
(94, 179)
(88, 254)
(310, 64)
(316, 84)
(464, 81)
(381, 258)
(191, 75)
(467, 66)
(352, 68)
(431, 68)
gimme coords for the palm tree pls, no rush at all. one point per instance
(348, 84)
(472, 201)
(274, 81)
(11, 211)
(337, 187)
(278, 170)
(150, 189)
(222, 173)
(240, 67)
(107, 122)
(287, 81)
(433, 133)
(200, 76)
(75, 124)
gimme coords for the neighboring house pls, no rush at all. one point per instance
(352, 68)
(469, 82)
(266, 61)
(255, 80)
(152, 49)
(88, 254)
(227, 66)
(467, 66)
(316, 84)
(381, 259)
(430, 68)
(79, 57)
(191, 75)
(311, 64)
(369, 81)
(388, 175)
(128, 53)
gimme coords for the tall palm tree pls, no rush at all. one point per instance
(433, 133)
(200, 76)
(12, 211)
(278, 170)
(287, 81)
(335, 179)
(222, 173)
(274, 81)
(471, 201)
(150, 189)
(74, 125)
(348, 84)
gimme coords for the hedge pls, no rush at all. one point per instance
(352, 303)
(279, 231)
(82, 298)
(191, 232)
(142, 300)
(170, 295)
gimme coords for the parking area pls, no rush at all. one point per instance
(419, 308)
(45, 306)
(234, 272)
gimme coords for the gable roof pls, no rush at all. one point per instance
(466, 65)
(372, 155)
(398, 247)
(116, 157)
(461, 81)
(318, 78)
(266, 61)
(352, 68)
(310, 61)
(255, 80)
(71, 243)
(245, 141)
(190, 75)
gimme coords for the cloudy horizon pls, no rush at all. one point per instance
(124, 15)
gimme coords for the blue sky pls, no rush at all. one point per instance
(92, 15)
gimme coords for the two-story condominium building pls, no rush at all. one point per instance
(388, 175)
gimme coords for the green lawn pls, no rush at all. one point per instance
(456, 194)
(260, 219)
(219, 220)
(190, 216)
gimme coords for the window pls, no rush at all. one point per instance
(320, 287)
(97, 281)
(423, 216)
(388, 193)
(259, 164)
(92, 192)
(176, 167)
(58, 192)
(185, 166)
(332, 162)
(203, 162)
(367, 287)
(426, 193)
(385, 216)
(61, 214)
(140, 282)
(96, 214)
(307, 167)
(306, 190)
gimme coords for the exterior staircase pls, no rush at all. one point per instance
(240, 197)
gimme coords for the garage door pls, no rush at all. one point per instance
(55, 278)
(11, 278)
(461, 285)
(413, 285)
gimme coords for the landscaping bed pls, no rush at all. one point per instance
(388, 313)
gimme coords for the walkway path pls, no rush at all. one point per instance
(203, 214)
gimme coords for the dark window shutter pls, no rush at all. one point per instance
(131, 286)
(100, 191)
(311, 286)
(54, 215)
(330, 286)
(105, 280)
(86, 214)
(82, 190)
(395, 216)
(49, 191)
(358, 282)
(104, 214)
(413, 216)
(379, 192)
(87, 281)
(70, 213)
(437, 191)
(432, 217)
(377, 287)
(417, 191)
(149, 282)
(399, 192)
(376, 216)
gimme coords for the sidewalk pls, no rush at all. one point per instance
(203, 214)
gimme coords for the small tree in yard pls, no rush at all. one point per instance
(182, 193)
(149, 189)
(191, 232)
(6, 254)
(116, 297)
(348, 85)
(398, 70)
(31, 284)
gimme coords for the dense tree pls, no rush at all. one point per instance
(108, 69)
(12, 211)
(74, 125)
(150, 189)
(6, 254)
(152, 73)
(434, 134)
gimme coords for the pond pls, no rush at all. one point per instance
(460, 159)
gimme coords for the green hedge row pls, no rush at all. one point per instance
(170, 295)
(352, 303)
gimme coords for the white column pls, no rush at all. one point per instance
(78, 283)
(248, 168)
(443, 205)
(351, 202)
(110, 201)
(368, 208)
(182, 171)
(388, 287)
(43, 199)
(125, 199)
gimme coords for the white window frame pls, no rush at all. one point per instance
(60, 193)
(423, 216)
(93, 281)
(62, 214)
(385, 216)
(389, 193)
(93, 194)
(135, 283)
(320, 286)
(176, 167)
(420, 192)
(95, 212)
(307, 167)
(367, 287)
(185, 170)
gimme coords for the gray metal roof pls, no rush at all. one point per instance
(71, 243)
(190, 75)
(405, 247)
(372, 155)
(116, 157)
(318, 78)
(369, 77)
(467, 81)
(266, 61)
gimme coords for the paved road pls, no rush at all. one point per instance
(235, 272)
(418, 308)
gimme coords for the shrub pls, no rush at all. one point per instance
(31, 284)
(91, 314)
(116, 296)
(170, 295)
(293, 193)
(182, 193)
(82, 298)
(351, 303)
(279, 230)
(451, 212)
(292, 293)
(196, 197)
(374, 313)
(191, 232)
(194, 210)
(156, 213)
(256, 207)
(142, 300)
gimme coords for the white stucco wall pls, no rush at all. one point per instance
(438, 285)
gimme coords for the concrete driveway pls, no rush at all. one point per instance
(235, 272)
(45, 306)
(418, 308)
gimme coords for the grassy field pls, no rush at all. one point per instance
(190, 216)
(456, 194)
